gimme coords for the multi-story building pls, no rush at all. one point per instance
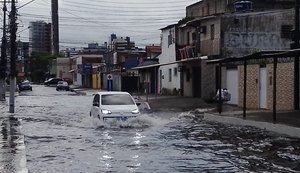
(206, 32)
(121, 57)
(40, 37)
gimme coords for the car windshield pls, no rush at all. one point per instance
(116, 99)
(60, 82)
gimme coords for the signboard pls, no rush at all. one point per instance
(109, 77)
(87, 68)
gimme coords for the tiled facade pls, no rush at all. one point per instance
(285, 86)
(252, 95)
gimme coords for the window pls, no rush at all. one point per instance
(212, 32)
(175, 71)
(170, 75)
(194, 36)
(96, 100)
(116, 99)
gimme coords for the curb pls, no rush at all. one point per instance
(277, 128)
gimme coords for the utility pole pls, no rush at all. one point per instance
(296, 45)
(55, 30)
(13, 47)
(3, 61)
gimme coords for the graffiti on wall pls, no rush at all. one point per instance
(246, 40)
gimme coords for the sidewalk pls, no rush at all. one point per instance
(288, 122)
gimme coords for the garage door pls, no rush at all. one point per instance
(232, 85)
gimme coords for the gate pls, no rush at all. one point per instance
(129, 83)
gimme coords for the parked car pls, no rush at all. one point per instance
(52, 81)
(70, 81)
(25, 85)
(114, 105)
(62, 85)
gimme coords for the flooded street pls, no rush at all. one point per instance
(52, 132)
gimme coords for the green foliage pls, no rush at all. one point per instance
(40, 66)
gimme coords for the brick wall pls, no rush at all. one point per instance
(252, 95)
(285, 86)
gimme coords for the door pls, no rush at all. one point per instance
(197, 82)
(233, 86)
(263, 88)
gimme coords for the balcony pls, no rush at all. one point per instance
(187, 52)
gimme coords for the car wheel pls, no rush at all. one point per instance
(57, 89)
(99, 117)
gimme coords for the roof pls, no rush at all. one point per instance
(175, 62)
(112, 92)
(169, 26)
(258, 55)
(153, 49)
(190, 22)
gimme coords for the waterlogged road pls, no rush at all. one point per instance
(52, 132)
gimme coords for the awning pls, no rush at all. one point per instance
(175, 62)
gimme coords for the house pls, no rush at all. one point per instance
(204, 33)
(122, 56)
(84, 70)
(63, 66)
(148, 81)
(169, 74)
(242, 36)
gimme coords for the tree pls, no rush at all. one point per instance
(40, 64)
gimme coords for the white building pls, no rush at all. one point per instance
(169, 77)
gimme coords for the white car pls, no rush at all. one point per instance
(114, 105)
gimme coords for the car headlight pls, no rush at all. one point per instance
(104, 111)
(136, 111)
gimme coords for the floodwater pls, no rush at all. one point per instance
(51, 131)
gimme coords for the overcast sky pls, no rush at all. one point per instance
(85, 21)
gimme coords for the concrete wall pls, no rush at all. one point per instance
(63, 68)
(168, 55)
(250, 32)
(210, 7)
(209, 46)
(175, 82)
(205, 8)
(188, 85)
(168, 51)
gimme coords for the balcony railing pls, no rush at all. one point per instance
(187, 52)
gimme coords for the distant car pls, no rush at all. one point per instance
(25, 86)
(62, 85)
(115, 105)
(52, 81)
(70, 81)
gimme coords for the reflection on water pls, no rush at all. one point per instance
(60, 136)
(12, 156)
